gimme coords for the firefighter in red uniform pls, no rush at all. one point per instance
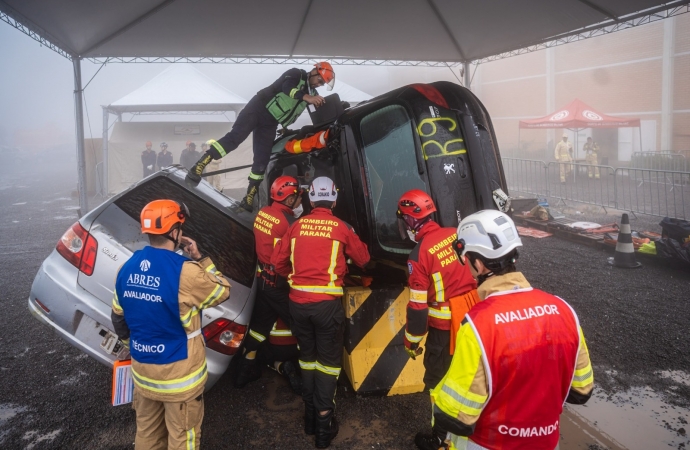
(441, 293)
(270, 225)
(520, 352)
(312, 254)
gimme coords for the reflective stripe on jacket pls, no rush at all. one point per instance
(435, 276)
(270, 226)
(284, 97)
(312, 254)
(281, 334)
(516, 400)
(201, 286)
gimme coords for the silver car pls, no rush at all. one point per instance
(73, 290)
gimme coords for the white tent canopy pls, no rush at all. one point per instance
(347, 32)
(179, 88)
(410, 30)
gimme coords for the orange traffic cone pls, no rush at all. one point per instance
(625, 252)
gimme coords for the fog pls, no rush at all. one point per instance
(37, 84)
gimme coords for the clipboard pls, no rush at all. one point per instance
(123, 386)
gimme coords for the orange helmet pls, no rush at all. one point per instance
(283, 187)
(148, 143)
(415, 203)
(326, 71)
(187, 143)
(161, 216)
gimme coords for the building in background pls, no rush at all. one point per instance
(641, 72)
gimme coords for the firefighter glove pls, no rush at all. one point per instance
(414, 353)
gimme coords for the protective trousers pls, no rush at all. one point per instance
(593, 165)
(167, 425)
(271, 303)
(319, 328)
(437, 357)
(564, 169)
(255, 119)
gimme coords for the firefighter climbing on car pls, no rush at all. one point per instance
(280, 103)
(441, 293)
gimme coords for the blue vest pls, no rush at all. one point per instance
(147, 288)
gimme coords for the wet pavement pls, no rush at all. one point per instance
(54, 397)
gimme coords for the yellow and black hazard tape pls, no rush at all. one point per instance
(374, 356)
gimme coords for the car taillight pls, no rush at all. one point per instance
(79, 248)
(431, 93)
(224, 336)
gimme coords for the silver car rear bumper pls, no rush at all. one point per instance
(74, 313)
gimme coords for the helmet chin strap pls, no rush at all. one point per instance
(170, 238)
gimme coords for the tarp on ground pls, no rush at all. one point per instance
(577, 114)
(128, 139)
(180, 87)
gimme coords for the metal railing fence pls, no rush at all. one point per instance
(662, 193)
(526, 175)
(665, 160)
(582, 183)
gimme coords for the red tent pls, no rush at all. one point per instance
(578, 114)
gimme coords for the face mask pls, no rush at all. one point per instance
(298, 211)
(411, 235)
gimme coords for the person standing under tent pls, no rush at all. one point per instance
(165, 158)
(148, 160)
(189, 155)
(591, 148)
(562, 154)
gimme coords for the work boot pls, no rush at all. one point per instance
(289, 371)
(248, 371)
(326, 429)
(309, 419)
(194, 174)
(425, 441)
(247, 202)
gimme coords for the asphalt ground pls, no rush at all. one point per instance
(54, 397)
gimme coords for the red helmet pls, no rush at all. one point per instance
(326, 71)
(283, 187)
(416, 204)
(160, 216)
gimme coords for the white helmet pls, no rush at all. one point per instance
(322, 188)
(489, 233)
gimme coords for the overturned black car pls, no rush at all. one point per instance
(435, 137)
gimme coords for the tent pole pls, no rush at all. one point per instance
(640, 130)
(468, 76)
(519, 153)
(79, 118)
(106, 118)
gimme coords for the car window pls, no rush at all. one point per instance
(229, 244)
(389, 149)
